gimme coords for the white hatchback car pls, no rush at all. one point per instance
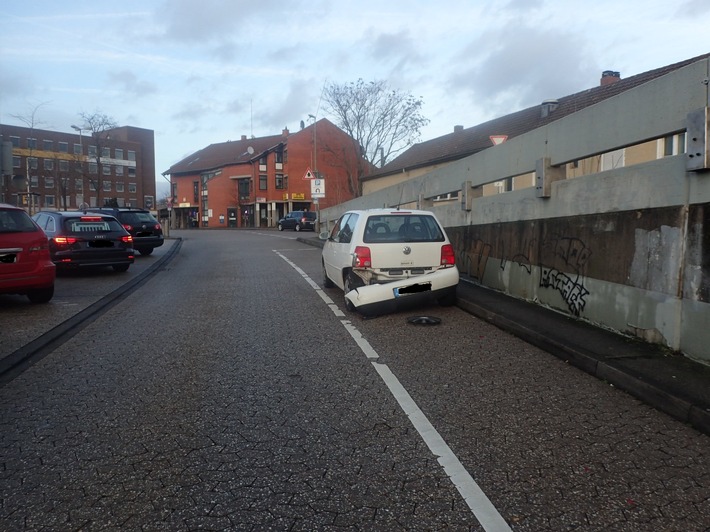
(382, 258)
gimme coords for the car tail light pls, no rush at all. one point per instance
(65, 240)
(127, 239)
(157, 227)
(448, 258)
(362, 257)
(91, 218)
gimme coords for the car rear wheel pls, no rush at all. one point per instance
(121, 267)
(281, 227)
(41, 295)
(297, 227)
(145, 251)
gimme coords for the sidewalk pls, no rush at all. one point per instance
(671, 383)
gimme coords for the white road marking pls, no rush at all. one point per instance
(479, 504)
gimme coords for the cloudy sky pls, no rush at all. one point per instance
(203, 71)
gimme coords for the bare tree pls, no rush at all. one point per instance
(99, 125)
(32, 122)
(383, 121)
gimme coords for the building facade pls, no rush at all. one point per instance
(252, 182)
(53, 170)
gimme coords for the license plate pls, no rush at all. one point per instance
(412, 289)
(101, 244)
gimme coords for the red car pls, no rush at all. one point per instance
(25, 265)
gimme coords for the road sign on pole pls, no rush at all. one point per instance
(309, 174)
(318, 188)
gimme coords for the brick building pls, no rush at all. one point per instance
(252, 182)
(53, 170)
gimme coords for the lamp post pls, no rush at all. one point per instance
(84, 203)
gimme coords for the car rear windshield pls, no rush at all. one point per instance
(14, 221)
(135, 218)
(398, 228)
(92, 224)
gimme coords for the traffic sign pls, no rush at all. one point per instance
(309, 174)
(318, 188)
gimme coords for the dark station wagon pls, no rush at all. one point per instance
(78, 239)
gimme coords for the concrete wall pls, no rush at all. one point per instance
(627, 249)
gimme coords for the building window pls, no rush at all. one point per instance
(92, 185)
(15, 142)
(48, 145)
(16, 161)
(63, 165)
(31, 143)
(63, 147)
(119, 186)
(49, 201)
(196, 191)
(77, 149)
(106, 152)
(92, 151)
(119, 169)
(132, 188)
(49, 164)
(34, 181)
(119, 153)
(279, 181)
(93, 168)
(32, 163)
(131, 172)
(48, 182)
(107, 186)
(79, 185)
(263, 182)
(131, 155)
(106, 168)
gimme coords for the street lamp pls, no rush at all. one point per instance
(84, 204)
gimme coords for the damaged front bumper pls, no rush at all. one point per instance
(387, 297)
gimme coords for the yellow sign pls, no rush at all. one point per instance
(298, 196)
(285, 196)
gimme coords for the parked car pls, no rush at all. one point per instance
(385, 258)
(25, 265)
(141, 224)
(83, 239)
(298, 221)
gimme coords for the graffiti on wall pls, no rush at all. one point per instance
(566, 254)
(562, 264)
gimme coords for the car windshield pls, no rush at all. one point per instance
(398, 228)
(12, 221)
(91, 224)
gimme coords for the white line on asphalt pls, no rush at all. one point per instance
(475, 498)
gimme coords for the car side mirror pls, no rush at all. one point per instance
(323, 235)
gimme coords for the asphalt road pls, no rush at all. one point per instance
(231, 392)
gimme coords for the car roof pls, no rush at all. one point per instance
(13, 207)
(76, 214)
(393, 210)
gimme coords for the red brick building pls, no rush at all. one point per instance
(54, 170)
(252, 182)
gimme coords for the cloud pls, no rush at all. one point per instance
(128, 83)
(509, 69)
(213, 20)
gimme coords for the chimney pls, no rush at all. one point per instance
(244, 137)
(547, 107)
(284, 133)
(458, 129)
(609, 77)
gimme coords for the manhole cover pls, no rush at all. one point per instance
(424, 320)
